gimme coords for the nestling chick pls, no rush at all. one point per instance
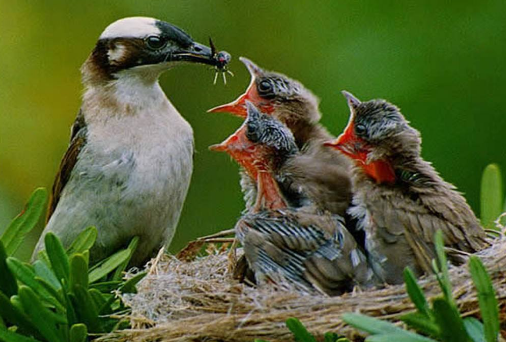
(321, 174)
(400, 200)
(128, 166)
(310, 250)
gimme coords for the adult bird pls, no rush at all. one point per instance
(321, 174)
(400, 200)
(128, 166)
(299, 246)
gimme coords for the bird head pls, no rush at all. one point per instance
(275, 94)
(260, 146)
(262, 143)
(376, 135)
(145, 47)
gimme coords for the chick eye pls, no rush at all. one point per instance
(360, 129)
(251, 133)
(265, 87)
(155, 42)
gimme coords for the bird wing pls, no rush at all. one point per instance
(413, 224)
(310, 251)
(401, 234)
(78, 138)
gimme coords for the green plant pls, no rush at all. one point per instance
(492, 197)
(442, 320)
(59, 298)
(301, 334)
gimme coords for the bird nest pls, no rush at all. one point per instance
(199, 300)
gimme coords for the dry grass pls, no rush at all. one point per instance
(199, 301)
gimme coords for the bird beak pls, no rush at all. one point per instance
(341, 141)
(238, 107)
(348, 142)
(224, 146)
(239, 147)
(350, 145)
(235, 142)
(353, 102)
(199, 53)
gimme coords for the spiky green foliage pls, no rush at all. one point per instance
(441, 321)
(492, 196)
(301, 334)
(59, 298)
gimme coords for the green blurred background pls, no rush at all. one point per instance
(442, 62)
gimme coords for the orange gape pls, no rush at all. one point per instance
(269, 196)
(249, 156)
(356, 148)
(241, 149)
(238, 107)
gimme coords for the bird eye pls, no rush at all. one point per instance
(251, 133)
(155, 42)
(265, 87)
(360, 129)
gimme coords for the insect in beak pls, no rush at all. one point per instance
(222, 59)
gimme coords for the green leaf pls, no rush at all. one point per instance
(369, 324)
(78, 271)
(487, 299)
(448, 318)
(106, 286)
(475, 329)
(443, 278)
(415, 292)
(108, 265)
(43, 271)
(86, 310)
(24, 222)
(51, 295)
(330, 337)
(57, 256)
(491, 196)
(17, 303)
(78, 333)
(129, 285)
(45, 320)
(99, 299)
(11, 336)
(118, 274)
(333, 337)
(71, 311)
(15, 316)
(403, 336)
(8, 283)
(299, 330)
(42, 256)
(25, 274)
(421, 323)
(84, 241)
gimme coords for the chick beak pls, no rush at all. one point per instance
(238, 107)
(239, 147)
(237, 142)
(346, 142)
(226, 145)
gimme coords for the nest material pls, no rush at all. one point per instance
(200, 301)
